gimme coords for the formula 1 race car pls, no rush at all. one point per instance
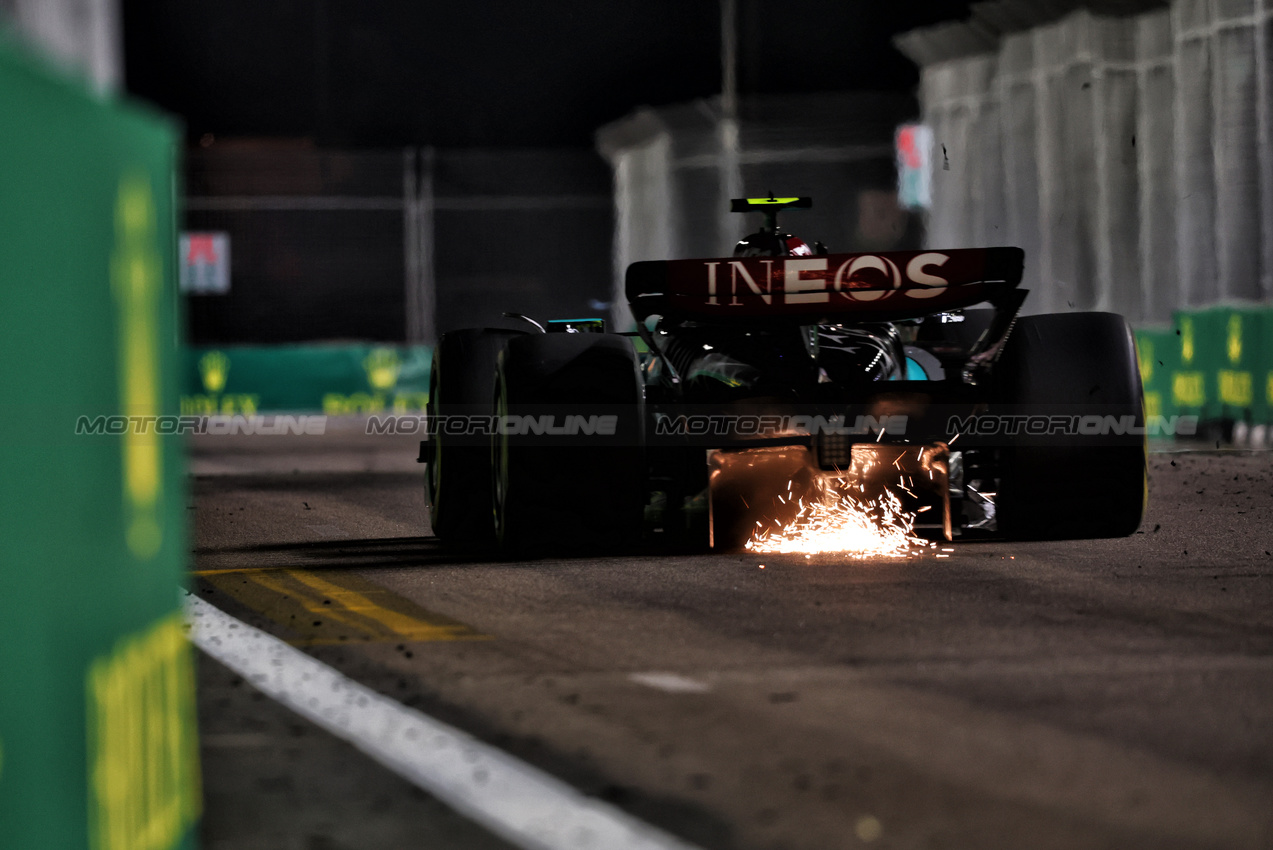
(759, 382)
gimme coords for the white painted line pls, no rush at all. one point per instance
(670, 682)
(520, 803)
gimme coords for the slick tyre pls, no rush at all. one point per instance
(458, 482)
(577, 491)
(1082, 368)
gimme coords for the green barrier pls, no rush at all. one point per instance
(336, 379)
(1257, 354)
(1266, 356)
(1223, 363)
(1215, 363)
(1243, 364)
(98, 743)
(1158, 353)
(1193, 389)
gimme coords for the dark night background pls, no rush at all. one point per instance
(320, 99)
(491, 73)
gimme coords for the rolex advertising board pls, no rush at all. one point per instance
(98, 742)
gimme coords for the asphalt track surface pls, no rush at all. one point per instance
(1112, 693)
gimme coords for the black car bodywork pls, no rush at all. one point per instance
(784, 373)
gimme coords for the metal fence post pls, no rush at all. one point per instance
(417, 216)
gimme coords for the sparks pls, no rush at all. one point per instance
(841, 522)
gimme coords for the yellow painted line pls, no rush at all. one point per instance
(308, 605)
(403, 625)
(235, 570)
(315, 606)
(290, 608)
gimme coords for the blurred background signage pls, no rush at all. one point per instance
(205, 262)
(914, 150)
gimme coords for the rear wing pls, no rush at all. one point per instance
(835, 287)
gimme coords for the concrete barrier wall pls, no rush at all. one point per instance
(1131, 157)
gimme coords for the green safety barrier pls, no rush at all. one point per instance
(1215, 363)
(98, 742)
(1158, 353)
(334, 379)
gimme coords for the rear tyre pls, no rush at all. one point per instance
(569, 492)
(1071, 486)
(458, 483)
